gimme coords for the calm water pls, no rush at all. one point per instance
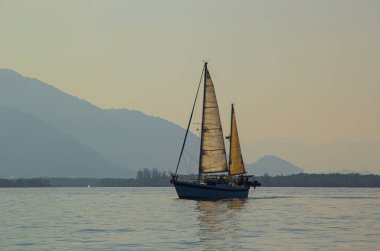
(154, 219)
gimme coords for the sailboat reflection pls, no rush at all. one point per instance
(218, 219)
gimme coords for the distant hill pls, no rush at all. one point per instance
(272, 166)
(358, 156)
(127, 138)
(30, 147)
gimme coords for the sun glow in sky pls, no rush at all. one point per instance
(302, 70)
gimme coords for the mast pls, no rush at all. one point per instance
(203, 118)
(230, 139)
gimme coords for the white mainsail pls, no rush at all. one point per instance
(213, 153)
(236, 164)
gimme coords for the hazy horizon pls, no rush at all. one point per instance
(68, 112)
(299, 70)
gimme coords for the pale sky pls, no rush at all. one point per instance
(301, 70)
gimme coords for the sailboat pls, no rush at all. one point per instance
(216, 179)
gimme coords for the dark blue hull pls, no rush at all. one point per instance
(187, 190)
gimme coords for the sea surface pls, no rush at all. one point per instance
(154, 219)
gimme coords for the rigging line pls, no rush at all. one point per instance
(188, 126)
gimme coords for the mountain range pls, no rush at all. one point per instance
(122, 138)
(46, 132)
(29, 147)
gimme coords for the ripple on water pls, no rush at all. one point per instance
(154, 219)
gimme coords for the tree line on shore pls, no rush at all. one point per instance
(156, 178)
(321, 180)
(35, 182)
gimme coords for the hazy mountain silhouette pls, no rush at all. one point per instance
(272, 166)
(127, 138)
(30, 147)
(358, 156)
(133, 140)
